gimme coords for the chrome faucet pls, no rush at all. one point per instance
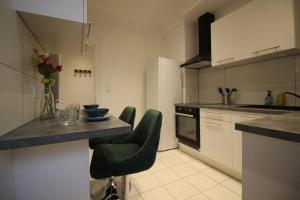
(293, 94)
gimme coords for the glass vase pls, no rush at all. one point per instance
(48, 104)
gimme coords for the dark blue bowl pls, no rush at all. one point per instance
(98, 112)
(91, 106)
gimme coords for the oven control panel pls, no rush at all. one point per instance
(187, 110)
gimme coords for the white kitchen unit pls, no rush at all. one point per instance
(267, 28)
(74, 10)
(216, 137)
(221, 144)
(227, 39)
(163, 90)
(237, 137)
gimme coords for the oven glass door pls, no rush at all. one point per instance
(188, 130)
(186, 127)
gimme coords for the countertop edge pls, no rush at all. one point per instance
(53, 139)
(284, 135)
(234, 108)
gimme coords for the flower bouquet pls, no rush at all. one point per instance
(49, 71)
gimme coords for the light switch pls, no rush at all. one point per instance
(34, 93)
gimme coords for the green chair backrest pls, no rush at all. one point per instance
(128, 115)
(147, 132)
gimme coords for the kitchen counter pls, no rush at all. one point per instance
(286, 126)
(39, 132)
(236, 108)
(283, 124)
(56, 157)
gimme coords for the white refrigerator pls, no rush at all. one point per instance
(163, 90)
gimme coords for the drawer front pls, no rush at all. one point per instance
(215, 115)
(216, 140)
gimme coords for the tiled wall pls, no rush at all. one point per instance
(190, 85)
(251, 80)
(17, 75)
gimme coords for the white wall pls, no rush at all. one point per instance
(122, 50)
(174, 41)
(17, 79)
(75, 88)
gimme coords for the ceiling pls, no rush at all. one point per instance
(160, 13)
(154, 12)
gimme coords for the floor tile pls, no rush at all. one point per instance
(234, 185)
(166, 176)
(198, 165)
(164, 154)
(137, 197)
(158, 193)
(215, 174)
(219, 192)
(181, 189)
(143, 173)
(158, 166)
(182, 156)
(132, 191)
(199, 197)
(201, 181)
(171, 161)
(145, 183)
(184, 170)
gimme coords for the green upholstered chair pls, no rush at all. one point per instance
(128, 116)
(135, 153)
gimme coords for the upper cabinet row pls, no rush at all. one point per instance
(260, 30)
(73, 10)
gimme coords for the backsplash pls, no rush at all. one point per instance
(190, 85)
(18, 103)
(251, 80)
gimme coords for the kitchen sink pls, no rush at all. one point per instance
(290, 108)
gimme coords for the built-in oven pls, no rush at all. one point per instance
(188, 126)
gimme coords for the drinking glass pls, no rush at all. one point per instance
(70, 115)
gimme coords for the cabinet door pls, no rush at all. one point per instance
(237, 138)
(227, 38)
(216, 141)
(268, 26)
(236, 149)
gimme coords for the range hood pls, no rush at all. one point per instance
(203, 59)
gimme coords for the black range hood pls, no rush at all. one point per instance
(203, 59)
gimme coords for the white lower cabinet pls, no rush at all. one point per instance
(236, 149)
(217, 140)
(220, 142)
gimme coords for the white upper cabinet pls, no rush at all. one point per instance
(260, 30)
(227, 38)
(269, 27)
(73, 10)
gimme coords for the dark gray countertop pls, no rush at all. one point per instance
(39, 132)
(286, 126)
(283, 124)
(232, 108)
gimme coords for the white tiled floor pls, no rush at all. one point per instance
(178, 176)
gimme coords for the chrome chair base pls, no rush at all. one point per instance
(111, 190)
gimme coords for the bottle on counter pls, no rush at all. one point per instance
(280, 99)
(269, 98)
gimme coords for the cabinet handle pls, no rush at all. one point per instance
(227, 59)
(184, 115)
(268, 49)
(89, 30)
